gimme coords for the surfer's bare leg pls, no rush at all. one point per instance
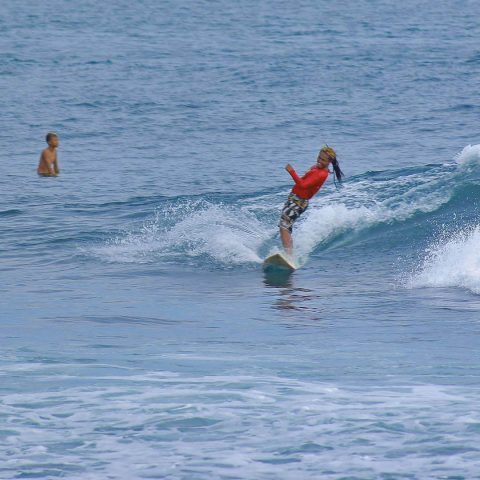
(287, 241)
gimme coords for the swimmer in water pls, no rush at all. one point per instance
(48, 164)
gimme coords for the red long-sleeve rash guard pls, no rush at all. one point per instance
(307, 186)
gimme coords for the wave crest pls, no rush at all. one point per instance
(228, 231)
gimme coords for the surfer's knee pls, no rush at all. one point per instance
(286, 224)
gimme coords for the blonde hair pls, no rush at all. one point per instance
(333, 158)
(329, 151)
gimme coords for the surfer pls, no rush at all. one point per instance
(304, 189)
(48, 164)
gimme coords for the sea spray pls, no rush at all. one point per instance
(199, 229)
(453, 262)
(469, 155)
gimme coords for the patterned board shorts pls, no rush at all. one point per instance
(293, 208)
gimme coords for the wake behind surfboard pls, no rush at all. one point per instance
(279, 260)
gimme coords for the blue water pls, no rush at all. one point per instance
(140, 337)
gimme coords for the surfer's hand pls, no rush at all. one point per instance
(288, 168)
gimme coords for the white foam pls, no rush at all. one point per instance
(452, 263)
(469, 155)
(229, 235)
(325, 222)
(116, 426)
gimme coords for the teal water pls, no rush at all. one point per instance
(140, 337)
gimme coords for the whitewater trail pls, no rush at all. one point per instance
(225, 233)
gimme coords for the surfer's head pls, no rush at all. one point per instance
(52, 139)
(327, 156)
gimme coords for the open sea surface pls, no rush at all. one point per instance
(140, 337)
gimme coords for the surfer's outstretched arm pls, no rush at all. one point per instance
(309, 180)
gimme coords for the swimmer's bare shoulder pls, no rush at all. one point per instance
(46, 164)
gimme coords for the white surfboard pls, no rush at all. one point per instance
(279, 260)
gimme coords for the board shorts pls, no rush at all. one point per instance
(293, 208)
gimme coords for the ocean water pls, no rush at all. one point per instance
(140, 337)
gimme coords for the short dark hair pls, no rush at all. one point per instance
(50, 135)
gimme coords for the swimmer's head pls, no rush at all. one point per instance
(51, 136)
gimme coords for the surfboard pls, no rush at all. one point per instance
(279, 260)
